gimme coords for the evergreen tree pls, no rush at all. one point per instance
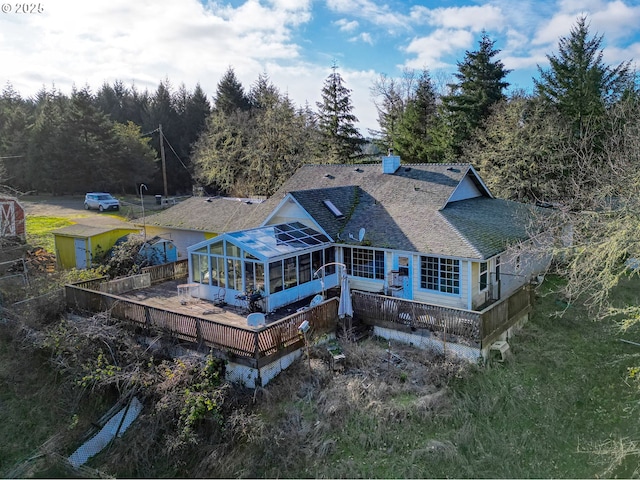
(16, 116)
(230, 94)
(415, 137)
(46, 161)
(162, 111)
(521, 151)
(90, 144)
(132, 161)
(278, 139)
(390, 102)
(578, 83)
(218, 156)
(193, 119)
(341, 141)
(480, 85)
(252, 152)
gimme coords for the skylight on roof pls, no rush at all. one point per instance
(332, 208)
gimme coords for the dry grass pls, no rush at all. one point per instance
(562, 406)
(291, 430)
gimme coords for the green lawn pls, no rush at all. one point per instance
(39, 230)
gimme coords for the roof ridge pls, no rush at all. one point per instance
(460, 235)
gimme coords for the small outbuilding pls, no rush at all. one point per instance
(78, 245)
(158, 250)
(12, 219)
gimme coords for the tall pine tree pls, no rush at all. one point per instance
(415, 132)
(578, 83)
(341, 141)
(230, 95)
(480, 85)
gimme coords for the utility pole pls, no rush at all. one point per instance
(164, 164)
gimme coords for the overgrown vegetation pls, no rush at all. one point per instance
(562, 405)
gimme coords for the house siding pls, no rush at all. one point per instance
(438, 298)
(65, 251)
(12, 218)
(290, 212)
(95, 245)
(466, 189)
(182, 239)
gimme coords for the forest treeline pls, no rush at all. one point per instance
(527, 146)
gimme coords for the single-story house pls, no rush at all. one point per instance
(201, 218)
(12, 219)
(77, 245)
(431, 233)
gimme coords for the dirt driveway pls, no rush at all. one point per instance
(72, 207)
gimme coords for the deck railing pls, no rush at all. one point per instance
(478, 329)
(504, 314)
(401, 314)
(245, 345)
(167, 271)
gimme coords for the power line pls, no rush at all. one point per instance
(174, 152)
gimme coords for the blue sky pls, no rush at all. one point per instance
(295, 42)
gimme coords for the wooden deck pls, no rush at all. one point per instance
(166, 297)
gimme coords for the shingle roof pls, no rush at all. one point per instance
(80, 230)
(408, 210)
(490, 225)
(210, 214)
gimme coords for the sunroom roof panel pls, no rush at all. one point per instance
(272, 241)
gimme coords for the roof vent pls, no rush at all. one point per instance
(357, 169)
(329, 176)
(451, 169)
(333, 209)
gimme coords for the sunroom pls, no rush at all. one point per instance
(275, 263)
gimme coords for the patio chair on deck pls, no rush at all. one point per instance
(219, 298)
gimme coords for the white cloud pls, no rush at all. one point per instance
(431, 49)
(144, 41)
(363, 37)
(380, 15)
(475, 18)
(615, 20)
(345, 25)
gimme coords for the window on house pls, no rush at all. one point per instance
(217, 272)
(365, 263)
(304, 268)
(330, 257)
(484, 276)
(290, 272)
(253, 275)
(234, 273)
(440, 274)
(275, 276)
(199, 268)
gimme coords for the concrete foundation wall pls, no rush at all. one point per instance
(430, 342)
